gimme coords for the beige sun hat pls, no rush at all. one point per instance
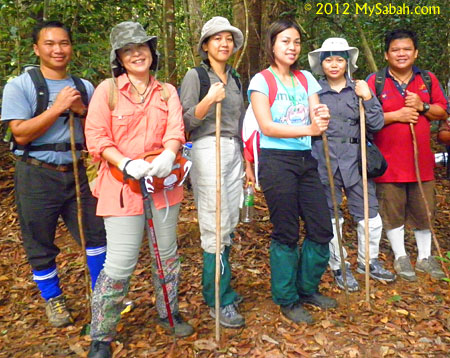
(215, 25)
(333, 44)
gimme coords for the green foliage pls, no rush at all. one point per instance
(395, 298)
(92, 20)
(431, 29)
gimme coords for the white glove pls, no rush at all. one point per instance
(135, 168)
(162, 165)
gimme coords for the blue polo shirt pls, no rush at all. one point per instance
(19, 102)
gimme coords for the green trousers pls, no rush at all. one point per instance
(227, 294)
(294, 272)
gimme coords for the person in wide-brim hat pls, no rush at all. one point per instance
(333, 46)
(219, 40)
(336, 60)
(129, 32)
(144, 116)
(214, 26)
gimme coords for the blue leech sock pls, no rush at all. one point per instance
(47, 282)
(95, 260)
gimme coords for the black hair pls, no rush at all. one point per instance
(47, 25)
(400, 34)
(272, 33)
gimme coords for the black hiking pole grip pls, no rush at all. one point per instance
(152, 238)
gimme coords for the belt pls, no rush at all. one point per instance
(57, 167)
(345, 140)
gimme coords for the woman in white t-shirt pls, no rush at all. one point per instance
(288, 173)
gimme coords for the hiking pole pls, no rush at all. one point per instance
(79, 208)
(362, 123)
(422, 193)
(326, 150)
(146, 198)
(218, 219)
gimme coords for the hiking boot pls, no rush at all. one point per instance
(181, 328)
(127, 306)
(431, 266)
(57, 312)
(403, 267)
(319, 300)
(376, 271)
(352, 284)
(229, 316)
(296, 313)
(100, 349)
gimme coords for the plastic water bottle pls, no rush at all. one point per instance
(248, 208)
(187, 147)
(441, 158)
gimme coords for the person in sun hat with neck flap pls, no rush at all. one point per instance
(218, 41)
(141, 121)
(336, 61)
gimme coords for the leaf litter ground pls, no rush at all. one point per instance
(403, 319)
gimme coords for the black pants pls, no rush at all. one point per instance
(292, 189)
(42, 195)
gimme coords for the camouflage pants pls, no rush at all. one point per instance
(106, 306)
(109, 294)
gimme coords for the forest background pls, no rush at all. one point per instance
(404, 320)
(177, 23)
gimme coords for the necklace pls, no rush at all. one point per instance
(141, 95)
(401, 81)
(294, 99)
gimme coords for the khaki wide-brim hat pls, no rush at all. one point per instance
(129, 32)
(333, 44)
(215, 25)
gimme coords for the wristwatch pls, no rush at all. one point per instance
(426, 108)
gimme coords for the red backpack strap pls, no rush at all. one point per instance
(301, 77)
(272, 83)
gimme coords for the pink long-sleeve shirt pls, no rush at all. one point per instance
(133, 129)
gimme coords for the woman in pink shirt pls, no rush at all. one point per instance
(141, 120)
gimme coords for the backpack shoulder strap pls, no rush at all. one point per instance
(236, 79)
(302, 79)
(272, 84)
(113, 93)
(380, 79)
(426, 79)
(165, 94)
(81, 88)
(42, 95)
(205, 83)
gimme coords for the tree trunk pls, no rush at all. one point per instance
(169, 48)
(366, 48)
(194, 15)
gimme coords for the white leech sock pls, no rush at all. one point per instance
(423, 240)
(397, 239)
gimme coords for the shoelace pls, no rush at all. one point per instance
(58, 307)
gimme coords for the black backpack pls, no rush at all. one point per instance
(42, 98)
(380, 79)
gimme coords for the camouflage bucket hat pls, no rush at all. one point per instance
(129, 32)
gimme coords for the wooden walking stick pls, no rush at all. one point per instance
(362, 123)
(218, 218)
(79, 208)
(326, 150)
(422, 193)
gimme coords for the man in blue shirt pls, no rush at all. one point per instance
(44, 178)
